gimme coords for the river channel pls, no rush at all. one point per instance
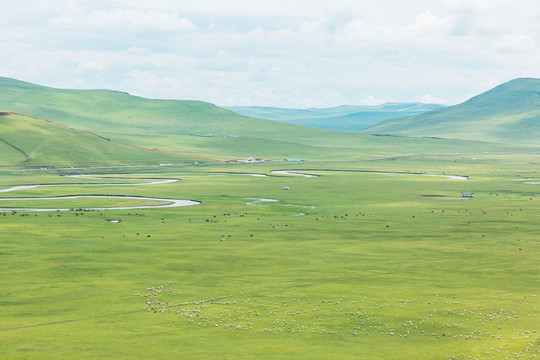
(165, 203)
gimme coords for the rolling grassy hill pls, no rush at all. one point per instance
(31, 141)
(173, 125)
(509, 113)
(342, 118)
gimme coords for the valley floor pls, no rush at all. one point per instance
(366, 260)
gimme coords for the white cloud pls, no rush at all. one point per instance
(284, 53)
(427, 21)
(94, 65)
(372, 100)
(146, 82)
(429, 99)
(82, 18)
(515, 43)
(223, 61)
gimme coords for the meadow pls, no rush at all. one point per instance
(368, 260)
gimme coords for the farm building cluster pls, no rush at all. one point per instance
(246, 160)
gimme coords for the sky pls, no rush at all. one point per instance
(284, 53)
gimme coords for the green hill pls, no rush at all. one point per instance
(342, 118)
(97, 109)
(175, 125)
(509, 113)
(31, 141)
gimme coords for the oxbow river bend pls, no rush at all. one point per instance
(164, 203)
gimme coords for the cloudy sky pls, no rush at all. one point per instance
(288, 53)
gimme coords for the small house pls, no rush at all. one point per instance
(285, 188)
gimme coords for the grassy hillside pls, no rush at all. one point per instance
(25, 140)
(342, 118)
(173, 125)
(97, 109)
(509, 113)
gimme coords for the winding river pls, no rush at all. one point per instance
(298, 173)
(166, 203)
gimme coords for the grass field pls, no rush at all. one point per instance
(352, 264)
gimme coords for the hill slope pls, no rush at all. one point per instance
(173, 125)
(342, 118)
(98, 108)
(27, 140)
(509, 113)
(165, 124)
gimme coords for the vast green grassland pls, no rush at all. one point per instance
(365, 261)
(371, 259)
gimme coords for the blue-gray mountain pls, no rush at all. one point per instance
(342, 118)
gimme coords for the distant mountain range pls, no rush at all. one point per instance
(60, 126)
(172, 125)
(508, 113)
(347, 118)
